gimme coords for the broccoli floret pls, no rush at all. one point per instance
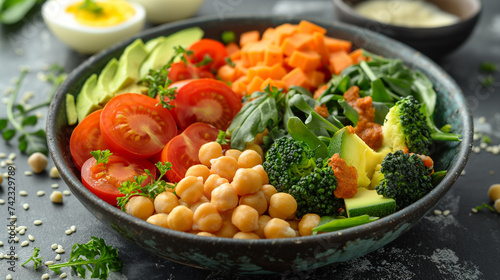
(292, 168)
(406, 127)
(314, 193)
(405, 178)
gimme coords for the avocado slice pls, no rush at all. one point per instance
(128, 66)
(369, 202)
(104, 93)
(84, 104)
(153, 43)
(71, 113)
(164, 51)
(354, 151)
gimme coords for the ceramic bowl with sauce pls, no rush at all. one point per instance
(434, 40)
(163, 11)
(95, 28)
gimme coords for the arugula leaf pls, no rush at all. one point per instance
(94, 256)
(300, 132)
(37, 261)
(349, 112)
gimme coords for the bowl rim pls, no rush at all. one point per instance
(341, 4)
(400, 216)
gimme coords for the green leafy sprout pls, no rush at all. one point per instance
(37, 261)
(101, 156)
(94, 256)
(133, 188)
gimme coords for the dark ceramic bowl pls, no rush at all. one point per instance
(434, 42)
(278, 255)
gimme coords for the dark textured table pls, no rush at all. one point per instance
(460, 245)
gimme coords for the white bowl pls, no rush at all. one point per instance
(161, 11)
(87, 39)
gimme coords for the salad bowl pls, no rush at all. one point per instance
(286, 255)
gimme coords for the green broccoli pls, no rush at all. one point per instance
(405, 178)
(406, 126)
(292, 168)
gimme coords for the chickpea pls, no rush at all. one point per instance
(233, 153)
(140, 206)
(256, 200)
(224, 166)
(245, 218)
(246, 235)
(159, 220)
(209, 151)
(212, 182)
(262, 224)
(294, 224)
(282, 205)
(198, 170)
(494, 192)
(268, 191)
(260, 169)
(224, 197)
(246, 181)
(204, 233)
(202, 200)
(496, 205)
(249, 159)
(278, 228)
(190, 189)
(180, 219)
(256, 148)
(227, 230)
(206, 218)
(38, 162)
(165, 202)
(307, 223)
(226, 215)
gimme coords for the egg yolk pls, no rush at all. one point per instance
(110, 13)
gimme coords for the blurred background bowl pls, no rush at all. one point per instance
(162, 11)
(288, 255)
(434, 42)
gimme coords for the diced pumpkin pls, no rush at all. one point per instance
(305, 60)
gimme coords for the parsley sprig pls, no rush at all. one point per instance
(101, 156)
(20, 117)
(133, 188)
(37, 261)
(94, 256)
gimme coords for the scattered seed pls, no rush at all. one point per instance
(3, 155)
(22, 231)
(45, 276)
(63, 275)
(483, 145)
(56, 197)
(2, 201)
(1, 243)
(8, 277)
(476, 150)
(49, 262)
(54, 173)
(60, 247)
(54, 186)
(446, 212)
(40, 193)
(66, 192)
(37, 222)
(31, 238)
(16, 239)
(463, 173)
(482, 119)
(28, 173)
(474, 210)
(23, 193)
(1, 255)
(58, 257)
(26, 206)
(25, 243)
(438, 212)
(73, 228)
(68, 231)
(3, 163)
(53, 246)
(9, 161)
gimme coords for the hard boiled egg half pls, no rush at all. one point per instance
(90, 26)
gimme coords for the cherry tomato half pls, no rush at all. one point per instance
(180, 71)
(132, 125)
(86, 137)
(182, 150)
(104, 180)
(205, 100)
(208, 48)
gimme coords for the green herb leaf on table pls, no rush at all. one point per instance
(94, 256)
(12, 11)
(37, 261)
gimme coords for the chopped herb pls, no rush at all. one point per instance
(206, 60)
(94, 256)
(488, 67)
(157, 186)
(229, 62)
(486, 139)
(101, 156)
(222, 138)
(485, 205)
(228, 37)
(37, 261)
(92, 7)
(487, 81)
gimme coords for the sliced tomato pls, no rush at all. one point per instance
(205, 100)
(181, 71)
(204, 48)
(132, 125)
(182, 150)
(86, 137)
(104, 180)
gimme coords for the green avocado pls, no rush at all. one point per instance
(369, 202)
(128, 66)
(71, 114)
(84, 104)
(153, 43)
(354, 151)
(103, 82)
(164, 50)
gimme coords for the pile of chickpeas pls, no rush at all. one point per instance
(227, 195)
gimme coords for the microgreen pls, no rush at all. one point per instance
(133, 188)
(20, 117)
(92, 7)
(222, 138)
(229, 62)
(37, 261)
(485, 205)
(94, 256)
(101, 156)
